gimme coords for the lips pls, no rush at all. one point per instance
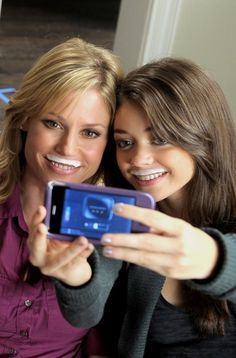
(63, 163)
(148, 174)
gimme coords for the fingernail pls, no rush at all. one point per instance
(117, 208)
(106, 240)
(107, 251)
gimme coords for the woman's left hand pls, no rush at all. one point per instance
(172, 247)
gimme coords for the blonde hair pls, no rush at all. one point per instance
(72, 66)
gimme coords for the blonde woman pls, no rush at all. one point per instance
(56, 127)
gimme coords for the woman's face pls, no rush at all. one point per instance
(149, 163)
(67, 142)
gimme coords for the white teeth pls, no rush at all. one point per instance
(143, 172)
(148, 174)
(149, 177)
(62, 162)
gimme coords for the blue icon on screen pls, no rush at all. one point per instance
(91, 215)
(98, 208)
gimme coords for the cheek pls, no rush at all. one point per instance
(36, 145)
(32, 144)
(122, 162)
(186, 161)
(95, 152)
(36, 139)
(119, 158)
(191, 171)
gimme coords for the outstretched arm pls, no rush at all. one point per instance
(176, 249)
(172, 247)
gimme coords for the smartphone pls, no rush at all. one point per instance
(86, 210)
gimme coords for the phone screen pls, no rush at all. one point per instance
(77, 212)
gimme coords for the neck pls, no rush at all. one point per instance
(174, 205)
(172, 291)
(170, 208)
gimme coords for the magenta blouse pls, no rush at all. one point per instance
(31, 324)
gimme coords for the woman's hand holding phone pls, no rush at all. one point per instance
(172, 247)
(64, 260)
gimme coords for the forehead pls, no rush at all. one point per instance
(129, 115)
(84, 101)
(65, 100)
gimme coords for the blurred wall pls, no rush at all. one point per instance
(202, 30)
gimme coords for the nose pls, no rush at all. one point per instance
(141, 156)
(67, 144)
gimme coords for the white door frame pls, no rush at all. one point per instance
(145, 30)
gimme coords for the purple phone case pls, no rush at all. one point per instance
(142, 199)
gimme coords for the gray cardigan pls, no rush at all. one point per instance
(83, 306)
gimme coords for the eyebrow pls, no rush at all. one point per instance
(56, 115)
(122, 131)
(85, 125)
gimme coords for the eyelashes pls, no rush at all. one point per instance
(127, 143)
(90, 133)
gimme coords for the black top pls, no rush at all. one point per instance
(172, 335)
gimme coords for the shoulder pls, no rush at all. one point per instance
(11, 207)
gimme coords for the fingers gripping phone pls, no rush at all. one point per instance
(86, 210)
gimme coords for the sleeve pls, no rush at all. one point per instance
(223, 284)
(83, 306)
(109, 328)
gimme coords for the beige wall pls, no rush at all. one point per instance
(206, 32)
(202, 30)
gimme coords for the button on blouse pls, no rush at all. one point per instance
(30, 319)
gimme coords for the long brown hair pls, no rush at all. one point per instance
(187, 108)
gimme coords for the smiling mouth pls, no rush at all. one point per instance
(148, 174)
(149, 177)
(63, 163)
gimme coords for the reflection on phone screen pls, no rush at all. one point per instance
(90, 214)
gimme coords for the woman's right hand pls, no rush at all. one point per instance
(172, 247)
(64, 260)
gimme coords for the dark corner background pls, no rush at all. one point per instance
(28, 28)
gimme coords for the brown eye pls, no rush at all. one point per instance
(159, 141)
(123, 143)
(91, 133)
